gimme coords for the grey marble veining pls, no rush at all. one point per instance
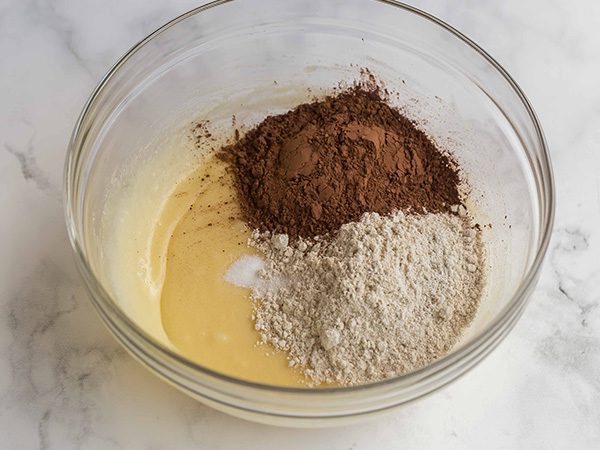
(65, 383)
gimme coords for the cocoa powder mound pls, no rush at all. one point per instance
(323, 164)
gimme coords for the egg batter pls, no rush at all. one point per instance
(207, 319)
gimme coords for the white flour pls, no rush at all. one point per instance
(384, 296)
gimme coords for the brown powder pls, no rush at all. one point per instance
(309, 171)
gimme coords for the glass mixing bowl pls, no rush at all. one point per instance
(252, 58)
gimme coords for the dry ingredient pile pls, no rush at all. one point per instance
(324, 164)
(373, 267)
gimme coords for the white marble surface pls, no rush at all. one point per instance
(65, 383)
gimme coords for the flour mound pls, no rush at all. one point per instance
(379, 298)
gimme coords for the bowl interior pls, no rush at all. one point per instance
(252, 59)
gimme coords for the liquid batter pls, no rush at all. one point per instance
(207, 319)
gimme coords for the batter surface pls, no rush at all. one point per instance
(207, 319)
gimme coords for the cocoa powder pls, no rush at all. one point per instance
(309, 171)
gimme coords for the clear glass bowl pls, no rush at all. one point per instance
(253, 58)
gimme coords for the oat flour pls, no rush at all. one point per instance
(381, 297)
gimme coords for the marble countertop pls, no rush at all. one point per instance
(66, 383)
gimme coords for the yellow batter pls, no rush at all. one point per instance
(207, 319)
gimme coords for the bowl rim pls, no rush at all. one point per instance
(487, 336)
